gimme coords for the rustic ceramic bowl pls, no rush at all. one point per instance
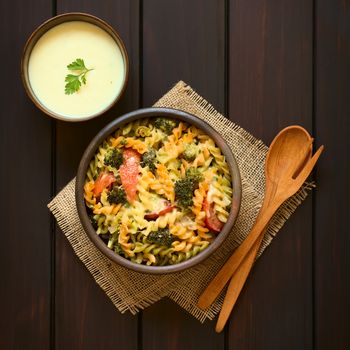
(90, 152)
(41, 30)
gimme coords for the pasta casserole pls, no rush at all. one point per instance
(158, 191)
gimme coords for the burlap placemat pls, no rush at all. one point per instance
(129, 290)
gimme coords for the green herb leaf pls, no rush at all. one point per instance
(78, 64)
(72, 84)
(74, 81)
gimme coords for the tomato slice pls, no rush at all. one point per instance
(103, 181)
(129, 171)
(153, 216)
(211, 220)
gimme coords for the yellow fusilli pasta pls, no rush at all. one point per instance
(158, 191)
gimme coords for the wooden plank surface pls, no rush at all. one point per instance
(270, 87)
(332, 239)
(85, 317)
(182, 40)
(277, 63)
(25, 157)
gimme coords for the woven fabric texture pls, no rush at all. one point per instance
(129, 290)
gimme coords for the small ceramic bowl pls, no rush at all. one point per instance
(43, 29)
(149, 113)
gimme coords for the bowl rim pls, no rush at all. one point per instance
(42, 29)
(148, 113)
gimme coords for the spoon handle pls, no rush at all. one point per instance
(240, 276)
(236, 284)
(218, 283)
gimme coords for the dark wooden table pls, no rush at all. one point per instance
(264, 64)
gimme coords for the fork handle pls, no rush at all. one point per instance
(218, 283)
(236, 284)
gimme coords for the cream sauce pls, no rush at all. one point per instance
(62, 45)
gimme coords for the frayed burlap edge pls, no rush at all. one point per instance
(129, 290)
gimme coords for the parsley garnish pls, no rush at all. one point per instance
(73, 82)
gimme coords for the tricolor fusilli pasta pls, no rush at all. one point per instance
(158, 191)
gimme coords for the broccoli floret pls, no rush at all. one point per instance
(166, 125)
(161, 237)
(113, 242)
(184, 192)
(194, 175)
(149, 159)
(113, 158)
(117, 195)
(93, 221)
(190, 152)
(184, 188)
(118, 249)
(118, 180)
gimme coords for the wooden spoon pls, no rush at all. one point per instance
(287, 153)
(241, 274)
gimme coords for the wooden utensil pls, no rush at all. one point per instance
(287, 153)
(241, 274)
